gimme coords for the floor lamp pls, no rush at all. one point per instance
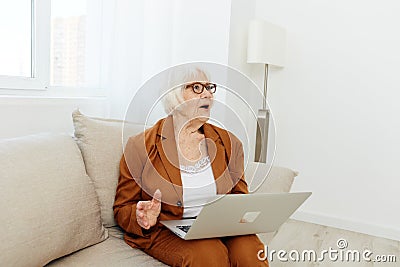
(266, 44)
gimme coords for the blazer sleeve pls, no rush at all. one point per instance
(128, 191)
(236, 167)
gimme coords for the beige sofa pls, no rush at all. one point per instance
(57, 193)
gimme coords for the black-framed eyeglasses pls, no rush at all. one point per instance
(198, 87)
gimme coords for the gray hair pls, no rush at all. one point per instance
(177, 78)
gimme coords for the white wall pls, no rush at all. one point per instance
(201, 31)
(336, 109)
(242, 11)
(21, 116)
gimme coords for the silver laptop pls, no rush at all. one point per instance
(239, 214)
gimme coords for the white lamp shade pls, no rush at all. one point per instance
(266, 43)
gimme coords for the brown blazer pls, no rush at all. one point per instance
(150, 162)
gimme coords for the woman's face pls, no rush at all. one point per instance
(197, 106)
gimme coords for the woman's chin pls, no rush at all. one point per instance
(203, 118)
(201, 115)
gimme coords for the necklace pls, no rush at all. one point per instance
(199, 166)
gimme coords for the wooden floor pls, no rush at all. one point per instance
(300, 236)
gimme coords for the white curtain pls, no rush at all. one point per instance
(122, 52)
(143, 37)
(136, 45)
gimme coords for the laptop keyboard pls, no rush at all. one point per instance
(184, 228)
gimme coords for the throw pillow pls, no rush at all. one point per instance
(48, 204)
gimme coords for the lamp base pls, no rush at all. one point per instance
(262, 135)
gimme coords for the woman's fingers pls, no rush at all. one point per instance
(157, 197)
(142, 219)
(143, 205)
(139, 205)
(145, 225)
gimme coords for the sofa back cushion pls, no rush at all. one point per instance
(262, 178)
(48, 204)
(101, 143)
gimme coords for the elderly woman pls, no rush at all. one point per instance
(167, 173)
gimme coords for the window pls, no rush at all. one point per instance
(15, 50)
(75, 41)
(24, 46)
(50, 45)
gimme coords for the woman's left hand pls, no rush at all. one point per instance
(147, 211)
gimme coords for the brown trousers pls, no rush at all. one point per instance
(219, 252)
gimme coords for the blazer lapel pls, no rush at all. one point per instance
(218, 157)
(167, 150)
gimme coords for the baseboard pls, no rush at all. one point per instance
(360, 227)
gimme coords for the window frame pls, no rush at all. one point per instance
(39, 84)
(40, 52)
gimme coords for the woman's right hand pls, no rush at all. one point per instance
(147, 211)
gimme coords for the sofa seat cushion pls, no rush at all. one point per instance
(48, 204)
(112, 252)
(116, 231)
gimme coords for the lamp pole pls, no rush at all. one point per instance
(262, 124)
(266, 44)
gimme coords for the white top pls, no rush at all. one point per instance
(198, 186)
